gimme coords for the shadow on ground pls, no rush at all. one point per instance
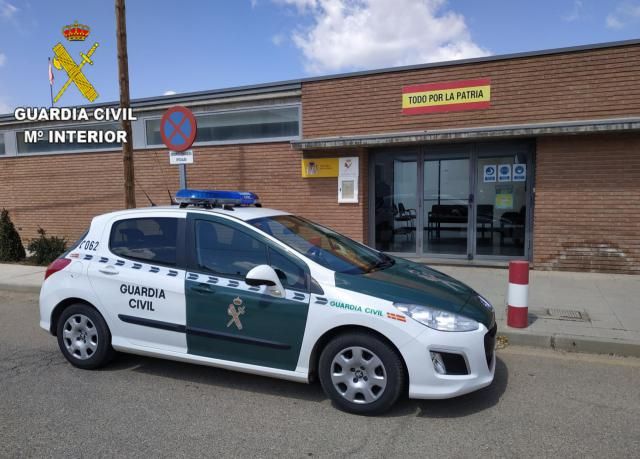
(215, 377)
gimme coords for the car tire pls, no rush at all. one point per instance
(83, 337)
(361, 373)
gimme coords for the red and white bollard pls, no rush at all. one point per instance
(517, 309)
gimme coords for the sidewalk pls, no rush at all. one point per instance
(597, 313)
(608, 305)
(21, 277)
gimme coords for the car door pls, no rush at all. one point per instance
(139, 279)
(228, 319)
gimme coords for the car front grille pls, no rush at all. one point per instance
(490, 344)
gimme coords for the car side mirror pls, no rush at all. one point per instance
(266, 275)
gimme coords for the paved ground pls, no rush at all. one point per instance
(542, 403)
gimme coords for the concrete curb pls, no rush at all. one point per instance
(573, 343)
(20, 288)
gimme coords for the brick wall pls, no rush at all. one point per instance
(587, 203)
(61, 193)
(580, 85)
(273, 171)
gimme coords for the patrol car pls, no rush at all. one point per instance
(219, 280)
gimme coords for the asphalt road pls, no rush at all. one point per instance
(542, 403)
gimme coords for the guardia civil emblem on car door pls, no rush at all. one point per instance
(235, 313)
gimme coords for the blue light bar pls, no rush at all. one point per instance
(217, 197)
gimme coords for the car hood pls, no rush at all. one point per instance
(414, 283)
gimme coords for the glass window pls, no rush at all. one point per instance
(43, 145)
(2, 150)
(151, 240)
(291, 274)
(281, 122)
(227, 251)
(325, 247)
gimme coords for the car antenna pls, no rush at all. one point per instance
(153, 204)
(164, 179)
(173, 201)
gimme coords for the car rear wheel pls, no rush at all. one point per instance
(361, 373)
(83, 337)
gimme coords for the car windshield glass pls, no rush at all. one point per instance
(320, 244)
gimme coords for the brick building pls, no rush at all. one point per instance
(533, 155)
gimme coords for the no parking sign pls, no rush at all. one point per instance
(178, 128)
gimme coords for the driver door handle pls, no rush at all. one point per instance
(203, 288)
(109, 270)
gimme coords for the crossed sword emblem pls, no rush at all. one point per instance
(235, 313)
(63, 60)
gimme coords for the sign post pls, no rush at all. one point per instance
(178, 129)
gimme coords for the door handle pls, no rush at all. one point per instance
(109, 270)
(203, 288)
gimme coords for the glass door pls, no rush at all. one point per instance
(395, 202)
(454, 200)
(501, 206)
(446, 206)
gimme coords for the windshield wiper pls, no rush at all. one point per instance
(381, 264)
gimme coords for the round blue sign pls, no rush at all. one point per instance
(504, 169)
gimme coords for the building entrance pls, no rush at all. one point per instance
(458, 200)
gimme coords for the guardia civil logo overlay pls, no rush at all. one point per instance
(76, 34)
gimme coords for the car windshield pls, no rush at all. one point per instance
(320, 244)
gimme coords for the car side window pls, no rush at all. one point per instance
(291, 274)
(151, 240)
(224, 250)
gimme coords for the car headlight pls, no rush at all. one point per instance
(437, 318)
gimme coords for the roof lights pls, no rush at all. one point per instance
(216, 198)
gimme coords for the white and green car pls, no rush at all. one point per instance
(221, 281)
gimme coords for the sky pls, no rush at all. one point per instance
(195, 45)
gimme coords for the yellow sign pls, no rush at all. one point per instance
(320, 167)
(446, 97)
(504, 197)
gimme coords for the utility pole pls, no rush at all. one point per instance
(123, 73)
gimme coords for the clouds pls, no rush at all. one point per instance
(364, 34)
(625, 14)
(7, 10)
(169, 92)
(3, 59)
(575, 13)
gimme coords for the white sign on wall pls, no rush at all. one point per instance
(490, 173)
(519, 172)
(504, 173)
(181, 157)
(349, 166)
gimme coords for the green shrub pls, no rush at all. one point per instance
(46, 249)
(11, 248)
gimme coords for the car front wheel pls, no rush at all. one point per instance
(361, 373)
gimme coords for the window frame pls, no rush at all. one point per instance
(180, 244)
(192, 257)
(236, 141)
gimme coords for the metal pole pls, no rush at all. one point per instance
(182, 168)
(123, 73)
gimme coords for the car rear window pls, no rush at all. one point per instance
(152, 240)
